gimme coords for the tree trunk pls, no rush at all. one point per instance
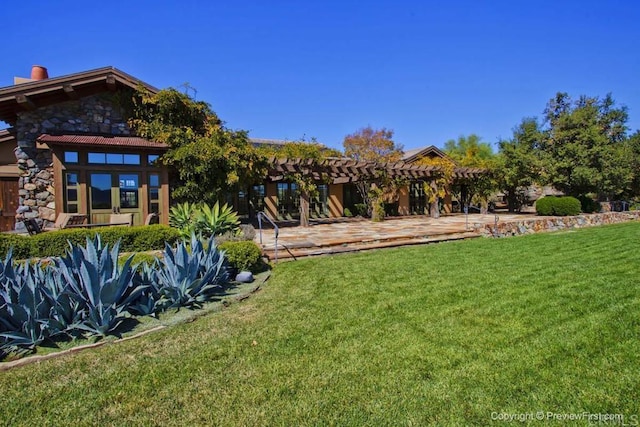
(304, 209)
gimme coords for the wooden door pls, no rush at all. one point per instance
(8, 203)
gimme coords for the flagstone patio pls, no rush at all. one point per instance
(331, 236)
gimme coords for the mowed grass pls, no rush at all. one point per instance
(448, 334)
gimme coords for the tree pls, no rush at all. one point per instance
(584, 146)
(208, 158)
(632, 148)
(518, 163)
(302, 149)
(472, 152)
(375, 145)
(469, 151)
(372, 145)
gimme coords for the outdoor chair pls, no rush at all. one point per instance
(152, 218)
(32, 226)
(121, 219)
(65, 220)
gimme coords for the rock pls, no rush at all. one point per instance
(42, 195)
(29, 186)
(244, 277)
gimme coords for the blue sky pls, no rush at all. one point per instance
(431, 71)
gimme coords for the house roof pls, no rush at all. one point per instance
(46, 139)
(40, 93)
(418, 153)
(262, 141)
(8, 135)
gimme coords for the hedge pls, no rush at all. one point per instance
(55, 243)
(558, 206)
(242, 256)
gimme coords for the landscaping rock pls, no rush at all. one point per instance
(244, 277)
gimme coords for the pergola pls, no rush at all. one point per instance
(342, 170)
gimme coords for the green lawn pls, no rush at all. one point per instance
(444, 334)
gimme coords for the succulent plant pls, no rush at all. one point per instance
(97, 282)
(189, 278)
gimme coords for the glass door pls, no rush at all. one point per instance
(114, 193)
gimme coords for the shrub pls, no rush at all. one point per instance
(243, 255)
(247, 232)
(361, 209)
(55, 243)
(21, 245)
(588, 205)
(560, 206)
(347, 213)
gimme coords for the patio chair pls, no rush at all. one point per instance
(121, 219)
(152, 218)
(65, 220)
(32, 226)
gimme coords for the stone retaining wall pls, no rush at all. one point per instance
(554, 223)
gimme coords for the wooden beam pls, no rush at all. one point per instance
(24, 102)
(70, 91)
(111, 82)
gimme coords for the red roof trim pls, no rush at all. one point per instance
(102, 140)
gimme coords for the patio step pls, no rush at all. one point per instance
(304, 249)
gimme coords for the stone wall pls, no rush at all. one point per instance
(543, 224)
(97, 114)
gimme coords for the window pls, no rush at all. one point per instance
(114, 158)
(100, 190)
(154, 193)
(128, 190)
(71, 157)
(71, 192)
(151, 158)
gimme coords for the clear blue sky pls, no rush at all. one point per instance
(431, 71)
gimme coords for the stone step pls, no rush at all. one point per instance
(356, 246)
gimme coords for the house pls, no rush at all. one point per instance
(70, 149)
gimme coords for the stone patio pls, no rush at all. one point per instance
(330, 236)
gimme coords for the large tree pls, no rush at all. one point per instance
(584, 147)
(375, 145)
(518, 163)
(207, 157)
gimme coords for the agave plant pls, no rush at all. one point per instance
(148, 302)
(183, 217)
(189, 278)
(25, 305)
(217, 220)
(97, 282)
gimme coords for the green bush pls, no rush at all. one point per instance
(21, 245)
(558, 206)
(54, 243)
(361, 209)
(242, 256)
(588, 205)
(347, 213)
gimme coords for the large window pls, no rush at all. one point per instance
(288, 200)
(71, 192)
(417, 198)
(100, 190)
(319, 205)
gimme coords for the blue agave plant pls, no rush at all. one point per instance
(25, 305)
(189, 278)
(102, 288)
(148, 302)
